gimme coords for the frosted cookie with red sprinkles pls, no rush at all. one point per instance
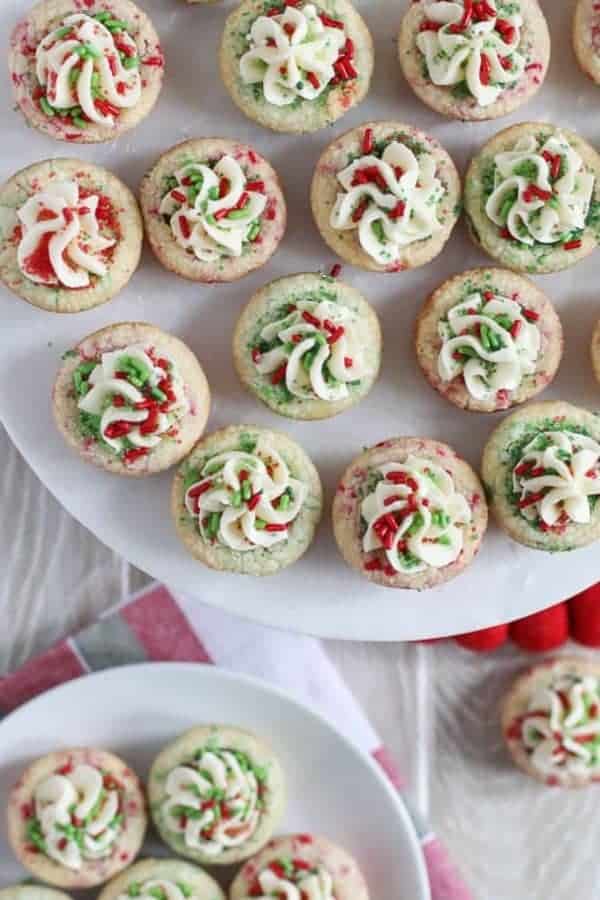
(488, 339)
(308, 346)
(216, 794)
(296, 66)
(131, 399)
(76, 818)
(532, 198)
(161, 879)
(474, 60)
(85, 71)
(247, 500)
(70, 235)
(551, 722)
(298, 866)
(586, 37)
(214, 209)
(541, 470)
(409, 513)
(385, 197)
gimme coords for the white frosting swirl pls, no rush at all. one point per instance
(555, 477)
(150, 408)
(77, 815)
(415, 515)
(66, 231)
(214, 804)
(542, 193)
(292, 55)
(157, 889)
(561, 728)
(317, 339)
(211, 211)
(488, 339)
(246, 500)
(391, 200)
(461, 44)
(85, 66)
(317, 885)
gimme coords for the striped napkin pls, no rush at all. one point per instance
(156, 625)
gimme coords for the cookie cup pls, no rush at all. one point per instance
(306, 115)
(268, 305)
(317, 852)
(182, 752)
(353, 487)
(538, 259)
(119, 221)
(534, 45)
(171, 449)
(325, 188)
(507, 284)
(503, 451)
(176, 258)
(93, 871)
(43, 18)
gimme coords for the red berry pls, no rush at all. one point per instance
(584, 614)
(486, 639)
(542, 631)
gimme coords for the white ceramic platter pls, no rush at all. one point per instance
(320, 594)
(333, 789)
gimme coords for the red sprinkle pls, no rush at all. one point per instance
(179, 196)
(313, 80)
(275, 527)
(534, 192)
(135, 453)
(428, 25)
(531, 315)
(185, 228)
(360, 211)
(117, 429)
(331, 23)
(279, 374)
(572, 245)
(348, 362)
(373, 565)
(516, 327)
(336, 270)
(254, 501)
(504, 27)
(255, 186)
(312, 320)
(367, 142)
(256, 355)
(531, 500)
(118, 400)
(485, 69)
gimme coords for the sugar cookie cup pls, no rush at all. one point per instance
(541, 471)
(105, 79)
(301, 863)
(214, 210)
(409, 513)
(488, 339)
(162, 879)
(216, 794)
(366, 202)
(519, 186)
(76, 818)
(71, 236)
(31, 892)
(308, 346)
(586, 43)
(474, 61)
(131, 399)
(551, 722)
(297, 67)
(247, 500)
(595, 351)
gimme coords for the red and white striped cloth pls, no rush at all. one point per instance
(155, 625)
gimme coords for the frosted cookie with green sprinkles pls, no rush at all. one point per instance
(70, 235)
(308, 346)
(216, 794)
(586, 37)
(385, 197)
(551, 722)
(300, 866)
(541, 471)
(296, 66)
(474, 60)
(247, 500)
(532, 198)
(213, 209)
(162, 879)
(88, 71)
(131, 399)
(488, 339)
(409, 513)
(76, 818)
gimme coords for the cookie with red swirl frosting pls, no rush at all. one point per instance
(71, 236)
(85, 71)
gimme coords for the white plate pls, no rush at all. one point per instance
(320, 594)
(134, 710)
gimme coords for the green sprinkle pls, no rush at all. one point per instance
(74, 76)
(246, 490)
(90, 50)
(526, 169)
(237, 213)
(307, 360)
(192, 193)
(236, 499)
(102, 16)
(508, 204)
(261, 773)
(134, 889)
(254, 231)
(158, 394)
(214, 520)
(35, 835)
(89, 425)
(157, 893)
(247, 443)
(284, 501)
(377, 229)
(259, 524)
(116, 25)
(79, 122)
(46, 108)
(444, 540)
(213, 193)
(185, 889)
(63, 32)
(81, 375)
(130, 62)
(416, 524)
